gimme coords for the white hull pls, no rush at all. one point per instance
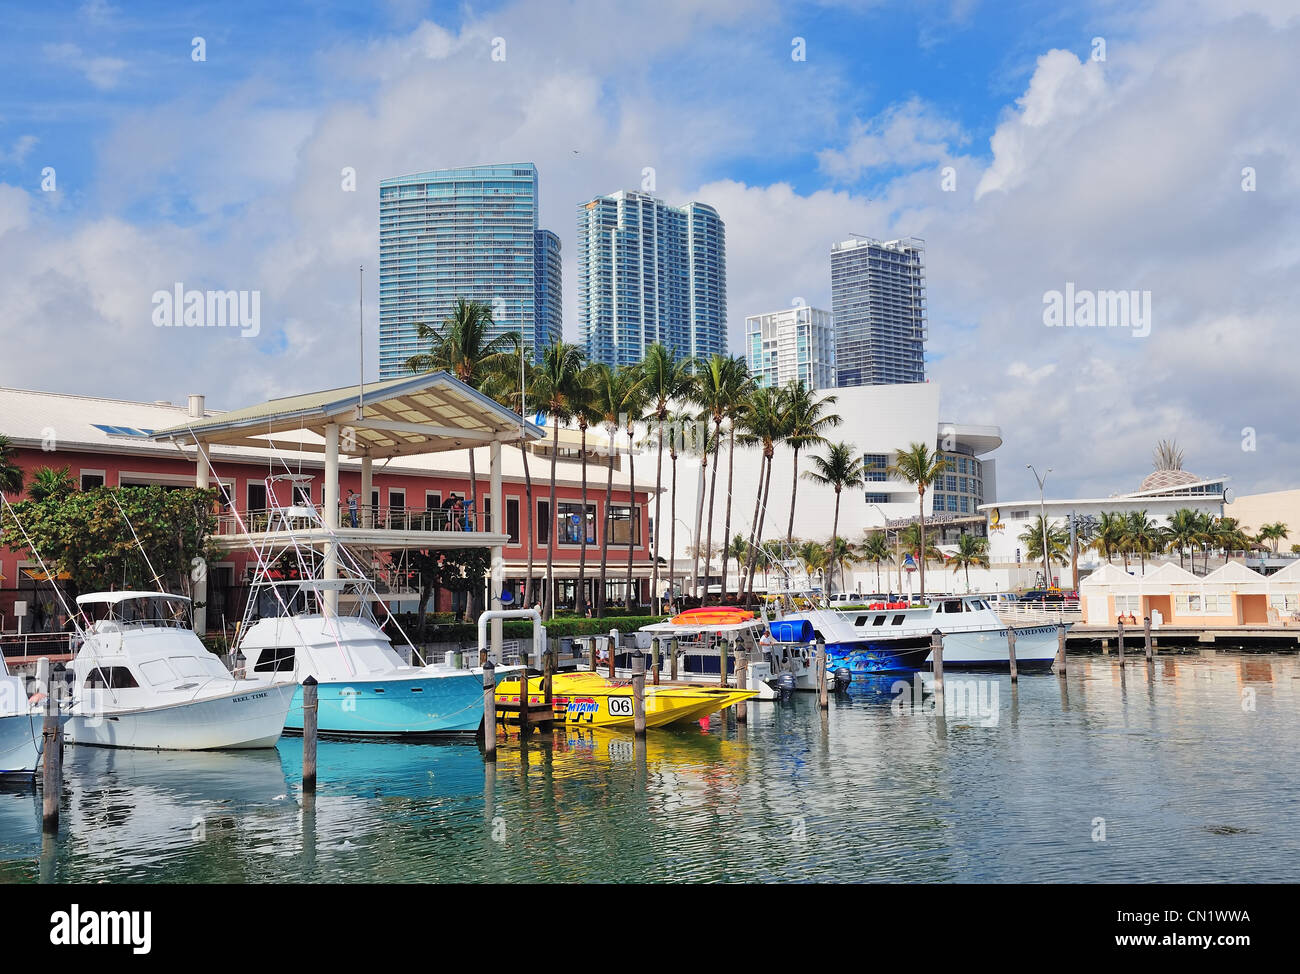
(20, 743)
(250, 718)
(988, 647)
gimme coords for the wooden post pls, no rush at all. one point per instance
(936, 648)
(723, 645)
(51, 754)
(1011, 651)
(1146, 632)
(1121, 642)
(654, 650)
(638, 693)
(820, 663)
(1059, 663)
(613, 649)
(591, 653)
(672, 660)
(548, 674)
(489, 712)
(742, 683)
(310, 701)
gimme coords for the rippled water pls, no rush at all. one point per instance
(1189, 763)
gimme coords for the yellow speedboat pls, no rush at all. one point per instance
(591, 699)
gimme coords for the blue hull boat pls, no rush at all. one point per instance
(868, 657)
(416, 706)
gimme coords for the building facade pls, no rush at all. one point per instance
(792, 345)
(464, 233)
(878, 300)
(647, 273)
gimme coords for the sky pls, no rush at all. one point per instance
(1139, 147)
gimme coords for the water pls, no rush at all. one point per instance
(1192, 785)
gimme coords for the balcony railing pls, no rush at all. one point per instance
(389, 518)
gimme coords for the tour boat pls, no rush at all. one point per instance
(20, 726)
(143, 679)
(591, 699)
(862, 653)
(700, 636)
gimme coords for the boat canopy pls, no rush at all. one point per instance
(113, 598)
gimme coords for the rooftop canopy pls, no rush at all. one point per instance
(426, 413)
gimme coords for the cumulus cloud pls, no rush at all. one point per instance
(102, 71)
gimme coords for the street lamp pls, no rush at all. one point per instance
(1042, 508)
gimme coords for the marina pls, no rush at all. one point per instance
(1189, 782)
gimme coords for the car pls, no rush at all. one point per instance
(1043, 595)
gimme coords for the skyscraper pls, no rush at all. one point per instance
(878, 299)
(464, 233)
(649, 272)
(790, 345)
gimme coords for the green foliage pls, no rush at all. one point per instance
(85, 535)
(11, 475)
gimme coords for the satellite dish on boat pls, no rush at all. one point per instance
(507, 598)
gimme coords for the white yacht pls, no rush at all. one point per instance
(143, 679)
(20, 726)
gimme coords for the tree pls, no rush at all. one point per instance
(558, 391)
(510, 385)
(1273, 534)
(455, 569)
(585, 413)
(919, 467)
(614, 391)
(842, 468)
(721, 388)
(47, 482)
(636, 403)
(1183, 530)
(86, 535)
(874, 549)
(1109, 537)
(764, 423)
(971, 550)
(839, 552)
(1141, 536)
(462, 347)
(666, 381)
(807, 423)
(1058, 543)
(11, 475)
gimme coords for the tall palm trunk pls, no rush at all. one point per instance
(835, 529)
(553, 523)
(752, 555)
(794, 492)
(633, 517)
(473, 484)
(762, 516)
(713, 486)
(604, 534)
(921, 506)
(528, 520)
(726, 530)
(580, 596)
(699, 524)
(672, 528)
(877, 574)
(659, 474)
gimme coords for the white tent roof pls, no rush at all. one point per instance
(1170, 574)
(1108, 574)
(1234, 572)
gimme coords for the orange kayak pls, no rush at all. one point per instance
(718, 615)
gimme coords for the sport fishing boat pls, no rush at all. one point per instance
(20, 726)
(862, 653)
(708, 634)
(594, 700)
(143, 679)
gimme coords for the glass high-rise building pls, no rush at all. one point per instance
(649, 272)
(791, 345)
(878, 300)
(464, 233)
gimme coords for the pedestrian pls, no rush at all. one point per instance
(352, 507)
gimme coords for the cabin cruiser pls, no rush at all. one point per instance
(143, 679)
(20, 726)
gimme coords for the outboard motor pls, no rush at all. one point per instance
(843, 679)
(784, 685)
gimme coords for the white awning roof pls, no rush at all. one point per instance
(112, 598)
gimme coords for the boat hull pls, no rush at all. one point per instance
(987, 649)
(20, 743)
(868, 657)
(591, 700)
(250, 718)
(420, 706)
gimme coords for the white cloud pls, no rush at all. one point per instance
(100, 70)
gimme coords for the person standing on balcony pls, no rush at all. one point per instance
(352, 507)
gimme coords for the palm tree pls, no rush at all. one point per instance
(1058, 543)
(971, 550)
(666, 380)
(47, 482)
(636, 404)
(557, 389)
(510, 385)
(1273, 533)
(920, 467)
(11, 475)
(721, 388)
(808, 421)
(1183, 530)
(839, 552)
(1230, 536)
(462, 347)
(812, 556)
(585, 413)
(675, 423)
(613, 391)
(764, 423)
(841, 468)
(1110, 534)
(1141, 535)
(874, 549)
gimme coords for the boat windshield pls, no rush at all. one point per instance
(144, 610)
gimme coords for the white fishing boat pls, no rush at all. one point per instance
(704, 636)
(143, 679)
(20, 726)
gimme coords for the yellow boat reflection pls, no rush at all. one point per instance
(587, 698)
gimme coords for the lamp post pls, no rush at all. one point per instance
(1042, 508)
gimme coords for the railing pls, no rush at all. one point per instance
(380, 518)
(1066, 610)
(31, 644)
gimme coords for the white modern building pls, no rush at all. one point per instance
(792, 345)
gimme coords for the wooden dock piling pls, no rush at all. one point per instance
(1059, 663)
(613, 649)
(672, 660)
(742, 683)
(310, 707)
(654, 650)
(1011, 652)
(1146, 633)
(823, 699)
(51, 753)
(723, 646)
(638, 693)
(936, 649)
(1121, 642)
(490, 711)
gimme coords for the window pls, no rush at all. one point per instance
(877, 498)
(571, 523)
(1128, 604)
(623, 527)
(876, 464)
(487, 513)
(543, 522)
(1196, 603)
(111, 677)
(156, 671)
(302, 495)
(91, 479)
(397, 499)
(280, 660)
(512, 519)
(256, 494)
(432, 500)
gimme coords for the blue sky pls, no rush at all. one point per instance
(1115, 173)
